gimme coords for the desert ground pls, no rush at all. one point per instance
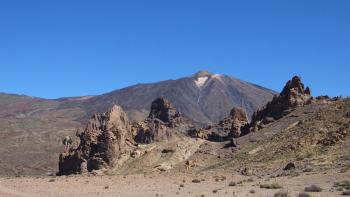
(211, 183)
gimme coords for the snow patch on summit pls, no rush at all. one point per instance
(201, 81)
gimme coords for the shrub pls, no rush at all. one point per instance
(313, 188)
(304, 195)
(346, 193)
(281, 194)
(271, 186)
(196, 181)
(232, 184)
(343, 184)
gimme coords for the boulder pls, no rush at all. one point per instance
(289, 166)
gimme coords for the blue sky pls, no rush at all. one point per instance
(60, 48)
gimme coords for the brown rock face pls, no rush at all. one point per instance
(239, 119)
(225, 130)
(163, 110)
(293, 95)
(107, 136)
(162, 121)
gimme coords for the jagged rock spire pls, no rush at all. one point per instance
(107, 136)
(163, 110)
(160, 123)
(294, 94)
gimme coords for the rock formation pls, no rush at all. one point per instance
(107, 136)
(162, 121)
(293, 95)
(238, 119)
(225, 130)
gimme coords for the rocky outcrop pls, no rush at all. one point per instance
(294, 94)
(161, 123)
(164, 111)
(225, 130)
(238, 119)
(107, 136)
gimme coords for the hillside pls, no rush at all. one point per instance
(32, 128)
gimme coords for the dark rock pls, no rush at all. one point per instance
(162, 121)
(289, 166)
(163, 110)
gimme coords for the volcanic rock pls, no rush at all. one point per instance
(238, 119)
(293, 95)
(107, 136)
(162, 122)
(225, 130)
(289, 166)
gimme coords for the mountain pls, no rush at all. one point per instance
(204, 97)
(32, 128)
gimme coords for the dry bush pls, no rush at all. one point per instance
(232, 184)
(271, 186)
(313, 188)
(281, 194)
(304, 194)
(196, 181)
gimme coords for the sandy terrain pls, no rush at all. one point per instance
(166, 184)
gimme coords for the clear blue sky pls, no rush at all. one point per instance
(59, 48)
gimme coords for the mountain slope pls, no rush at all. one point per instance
(32, 129)
(203, 97)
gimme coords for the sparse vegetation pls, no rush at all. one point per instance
(345, 169)
(344, 185)
(346, 193)
(220, 178)
(281, 194)
(196, 181)
(271, 186)
(232, 184)
(308, 169)
(313, 188)
(304, 194)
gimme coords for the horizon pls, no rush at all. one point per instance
(192, 75)
(84, 48)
